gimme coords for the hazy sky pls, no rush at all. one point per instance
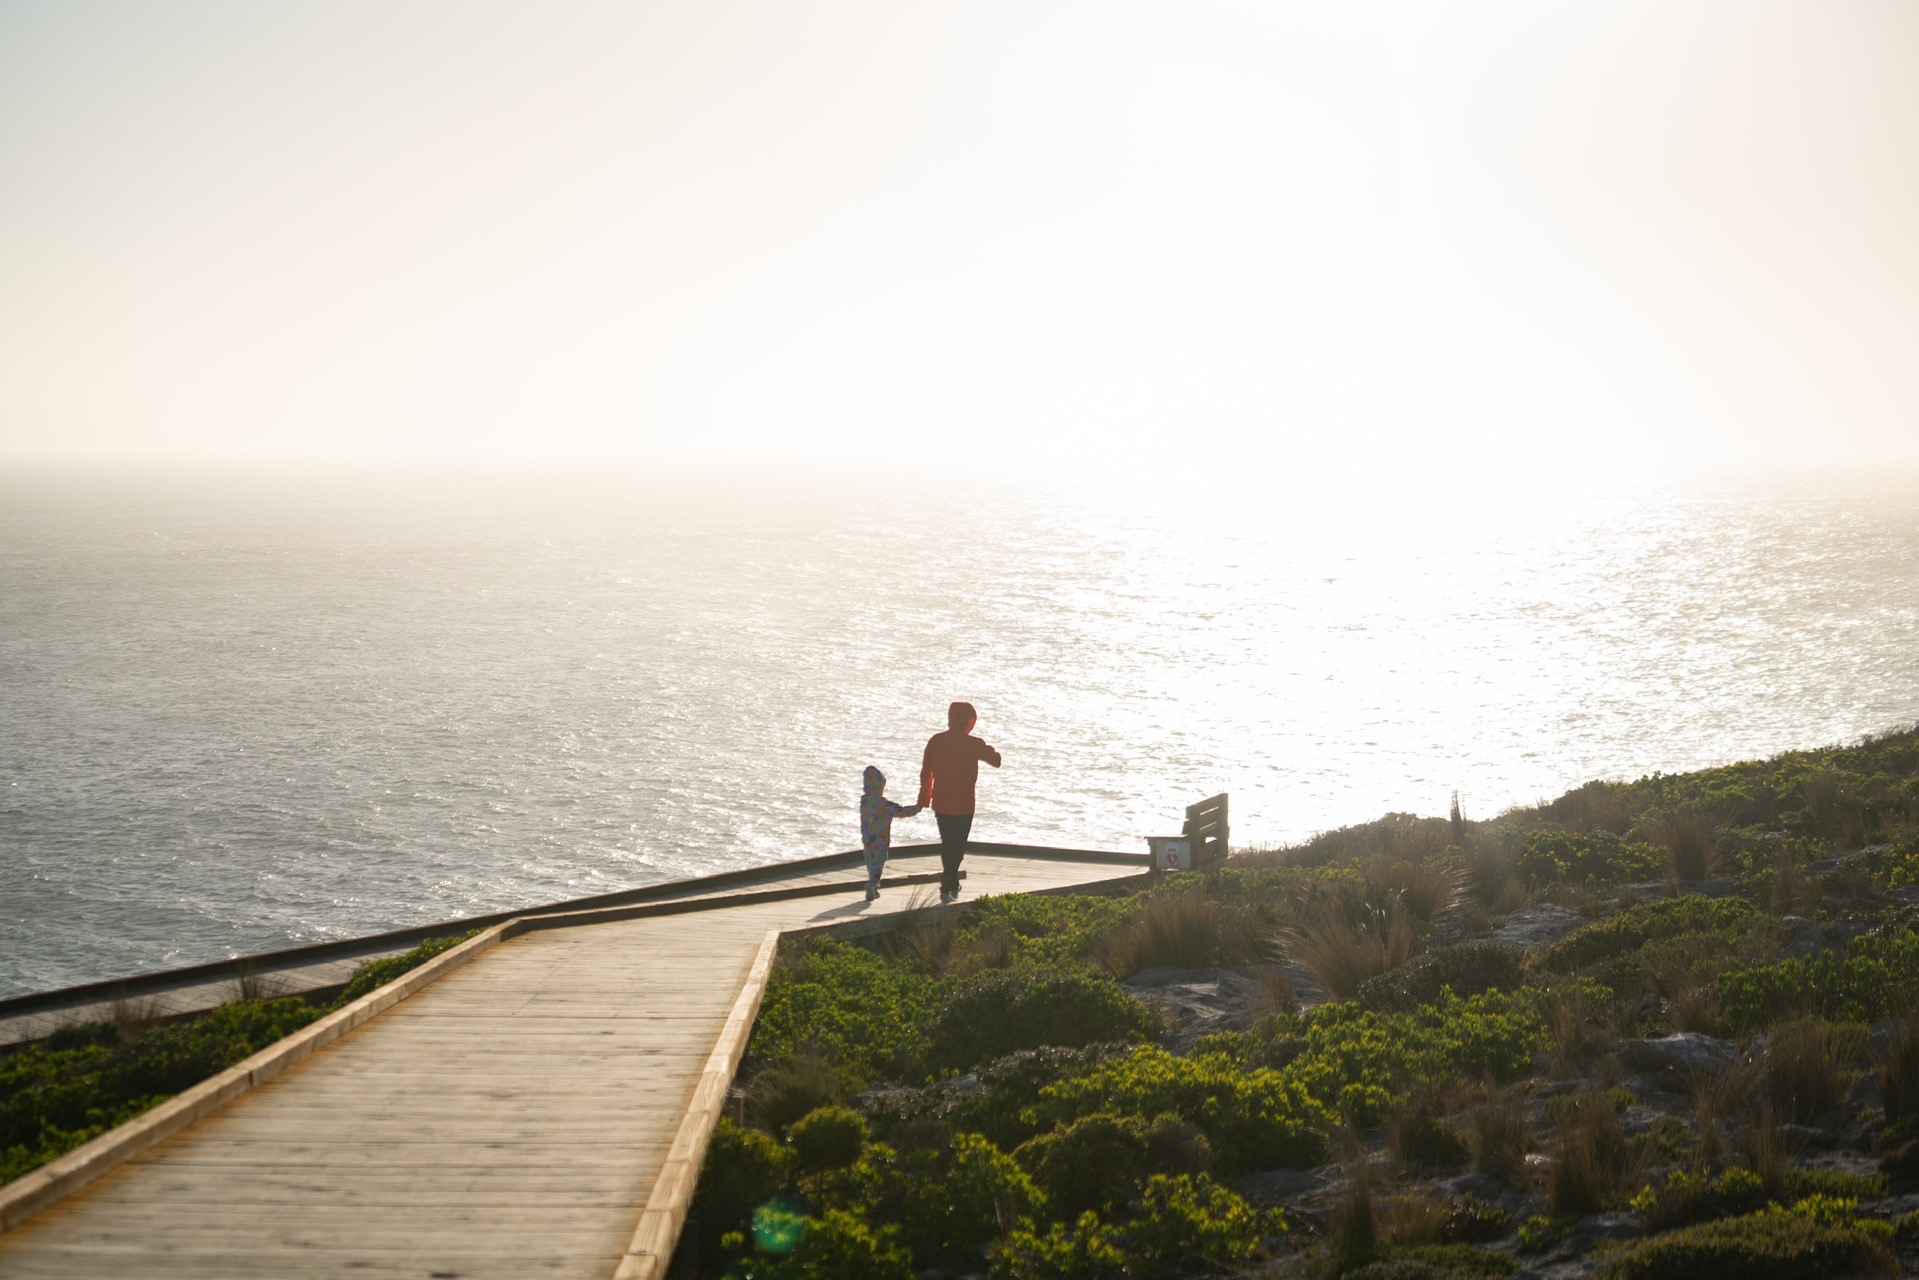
(934, 229)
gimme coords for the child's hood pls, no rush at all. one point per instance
(875, 780)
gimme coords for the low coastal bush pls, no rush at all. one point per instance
(1599, 858)
(1875, 978)
(1101, 1160)
(949, 1200)
(1466, 970)
(1006, 1011)
(1635, 927)
(1047, 931)
(864, 1013)
(1812, 1240)
(1258, 1119)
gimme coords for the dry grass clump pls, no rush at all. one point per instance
(1689, 845)
(1581, 1034)
(1354, 1237)
(1343, 953)
(1180, 929)
(1276, 998)
(925, 933)
(1418, 1137)
(1499, 1133)
(1899, 1071)
(1696, 1008)
(1804, 1073)
(1593, 1159)
(1424, 888)
(1414, 1219)
(1770, 1147)
(991, 949)
(792, 1088)
(1788, 892)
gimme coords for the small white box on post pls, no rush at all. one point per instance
(1171, 853)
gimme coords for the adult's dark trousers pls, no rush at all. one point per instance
(954, 828)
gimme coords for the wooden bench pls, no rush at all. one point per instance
(1206, 830)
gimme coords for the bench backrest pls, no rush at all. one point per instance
(1206, 828)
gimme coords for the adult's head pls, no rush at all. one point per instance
(960, 717)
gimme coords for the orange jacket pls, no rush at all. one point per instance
(950, 769)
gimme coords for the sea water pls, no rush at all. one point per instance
(242, 710)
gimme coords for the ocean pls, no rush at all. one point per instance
(242, 710)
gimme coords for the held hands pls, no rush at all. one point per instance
(909, 810)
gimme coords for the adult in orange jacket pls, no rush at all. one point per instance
(948, 773)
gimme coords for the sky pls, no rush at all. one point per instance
(1046, 233)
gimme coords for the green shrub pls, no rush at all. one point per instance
(1687, 1197)
(1808, 1242)
(1254, 1119)
(1049, 931)
(947, 1202)
(1088, 1250)
(1099, 1161)
(1003, 1012)
(1636, 926)
(1466, 970)
(860, 1011)
(54, 1098)
(1009, 1087)
(1476, 1221)
(1359, 1063)
(1600, 858)
(377, 973)
(838, 1246)
(1876, 977)
(742, 1171)
(1185, 1219)
(828, 1138)
(1801, 1180)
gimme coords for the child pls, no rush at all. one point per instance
(876, 827)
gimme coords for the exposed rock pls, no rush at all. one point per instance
(1686, 1051)
(1658, 1090)
(1284, 1186)
(1637, 1119)
(1571, 1269)
(1198, 1002)
(1588, 1232)
(1532, 927)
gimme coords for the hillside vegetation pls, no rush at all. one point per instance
(1649, 1028)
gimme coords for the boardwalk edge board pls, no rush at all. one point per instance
(658, 1231)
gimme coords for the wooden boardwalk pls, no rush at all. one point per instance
(510, 1120)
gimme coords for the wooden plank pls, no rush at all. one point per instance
(654, 1238)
